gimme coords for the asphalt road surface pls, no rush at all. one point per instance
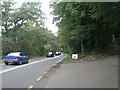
(22, 76)
(100, 73)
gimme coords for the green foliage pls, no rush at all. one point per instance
(29, 39)
(24, 30)
(86, 27)
(8, 45)
(67, 59)
(13, 19)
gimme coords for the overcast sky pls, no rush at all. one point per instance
(45, 8)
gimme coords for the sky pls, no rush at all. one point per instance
(45, 8)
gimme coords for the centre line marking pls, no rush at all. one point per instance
(10, 69)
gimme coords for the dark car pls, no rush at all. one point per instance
(59, 53)
(16, 57)
(50, 54)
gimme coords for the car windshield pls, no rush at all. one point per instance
(13, 54)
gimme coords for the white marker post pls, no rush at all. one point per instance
(74, 56)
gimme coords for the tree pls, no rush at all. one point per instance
(13, 19)
(6, 15)
(88, 25)
(24, 30)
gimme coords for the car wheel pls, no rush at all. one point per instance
(20, 62)
(6, 63)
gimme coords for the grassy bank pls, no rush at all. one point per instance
(67, 59)
(1, 61)
(88, 57)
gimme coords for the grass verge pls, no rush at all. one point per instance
(67, 59)
(1, 61)
(91, 56)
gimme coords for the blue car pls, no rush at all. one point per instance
(16, 58)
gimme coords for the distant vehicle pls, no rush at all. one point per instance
(50, 54)
(16, 58)
(58, 53)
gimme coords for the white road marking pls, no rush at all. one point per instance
(39, 78)
(30, 87)
(58, 61)
(10, 69)
(45, 72)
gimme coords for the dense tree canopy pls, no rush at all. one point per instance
(24, 30)
(13, 19)
(87, 27)
(83, 27)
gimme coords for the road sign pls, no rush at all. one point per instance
(74, 56)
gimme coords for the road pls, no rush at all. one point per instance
(100, 73)
(22, 76)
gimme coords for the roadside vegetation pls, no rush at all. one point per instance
(67, 59)
(89, 28)
(1, 61)
(88, 57)
(23, 30)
